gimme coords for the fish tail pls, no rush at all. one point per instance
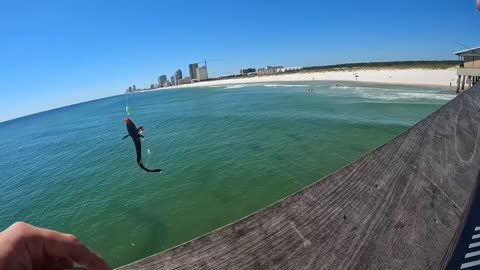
(148, 170)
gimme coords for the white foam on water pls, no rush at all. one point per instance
(360, 88)
(236, 86)
(416, 95)
(384, 95)
(286, 85)
(394, 94)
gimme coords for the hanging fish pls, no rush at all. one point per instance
(134, 132)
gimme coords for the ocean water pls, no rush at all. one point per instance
(226, 151)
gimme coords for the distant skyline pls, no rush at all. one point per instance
(58, 53)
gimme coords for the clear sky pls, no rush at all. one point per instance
(54, 53)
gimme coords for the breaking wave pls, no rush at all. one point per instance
(286, 85)
(394, 94)
(236, 86)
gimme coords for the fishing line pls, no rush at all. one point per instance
(127, 109)
(149, 152)
(128, 112)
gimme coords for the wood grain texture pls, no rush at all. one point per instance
(398, 207)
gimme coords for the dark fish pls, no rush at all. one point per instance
(133, 132)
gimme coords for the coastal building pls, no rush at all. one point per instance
(134, 88)
(185, 80)
(469, 70)
(287, 69)
(269, 70)
(202, 73)
(172, 80)
(162, 79)
(192, 68)
(247, 71)
(178, 76)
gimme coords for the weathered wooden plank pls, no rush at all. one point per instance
(396, 208)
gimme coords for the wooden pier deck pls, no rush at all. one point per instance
(399, 207)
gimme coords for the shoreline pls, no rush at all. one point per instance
(394, 76)
(411, 76)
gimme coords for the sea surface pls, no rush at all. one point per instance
(226, 152)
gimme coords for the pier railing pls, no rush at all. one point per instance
(398, 207)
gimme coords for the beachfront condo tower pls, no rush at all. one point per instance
(192, 68)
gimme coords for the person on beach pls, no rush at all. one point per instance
(23, 246)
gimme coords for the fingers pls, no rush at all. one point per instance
(59, 264)
(43, 245)
(62, 245)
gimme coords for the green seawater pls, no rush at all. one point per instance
(226, 151)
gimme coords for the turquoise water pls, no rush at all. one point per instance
(226, 151)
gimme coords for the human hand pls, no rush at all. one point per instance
(23, 246)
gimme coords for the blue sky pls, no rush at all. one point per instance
(54, 53)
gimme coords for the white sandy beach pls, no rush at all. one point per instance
(413, 76)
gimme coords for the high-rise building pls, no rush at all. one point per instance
(202, 73)
(178, 76)
(134, 88)
(247, 71)
(172, 80)
(162, 79)
(192, 68)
